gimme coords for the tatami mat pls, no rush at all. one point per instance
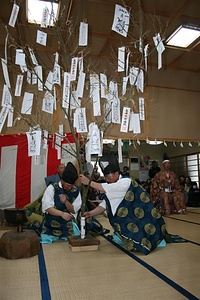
(109, 273)
(19, 279)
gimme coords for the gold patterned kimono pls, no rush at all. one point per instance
(166, 189)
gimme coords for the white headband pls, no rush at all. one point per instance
(166, 160)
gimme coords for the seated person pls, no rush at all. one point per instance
(136, 222)
(194, 195)
(166, 189)
(182, 186)
(33, 210)
(86, 166)
(154, 169)
(55, 177)
(125, 172)
(34, 214)
(188, 183)
(96, 175)
(182, 180)
(60, 203)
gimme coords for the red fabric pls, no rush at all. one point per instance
(23, 178)
(52, 161)
(23, 165)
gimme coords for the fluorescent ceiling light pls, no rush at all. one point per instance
(184, 36)
(108, 141)
(155, 142)
(35, 11)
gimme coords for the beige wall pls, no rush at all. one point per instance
(174, 114)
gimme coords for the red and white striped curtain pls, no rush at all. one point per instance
(21, 176)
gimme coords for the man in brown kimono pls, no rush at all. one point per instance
(165, 187)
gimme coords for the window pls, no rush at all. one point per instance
(42, 12)
(184, 36)
(188, 165)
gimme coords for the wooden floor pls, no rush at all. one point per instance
(57, 273)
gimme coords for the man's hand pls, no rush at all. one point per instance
(62, 198)
(66, 216)
(83, 179)
(87, 214)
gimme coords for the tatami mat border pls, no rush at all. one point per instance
(44, 282)
(181, 220)
(161, 276)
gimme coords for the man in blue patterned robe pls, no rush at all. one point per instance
(60, 203)
(135, 220)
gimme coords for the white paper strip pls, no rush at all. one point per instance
(133, 75)
(3, 115)
(10, 117)
(29, 77)
(49, 81)
(34, 77)
(104, 87)
(23, 69)
(45, 139)
(121, 20)
(6, 97)
(146, 56)
(33, 58)
(116, 111)
(125, 119)
(140, 45)
(66, 90)
(45, 17)
(61, 130)
(141, 109)
(18, 86)
(41, 38)
(5, 48)
(127, 62)
(74, 101)
(160, 48)
(80, 120)
(121, 59)
(111, 91)
(174, 144)
(94, 94)
(56, 57)
(108, 112)
(48, 103)
(27, 103)
(58, 146)
(83, 34)
(113, 97)
(80, 85)
(20, 58)
(56, 74)
(80, 64)
(136, 123)
(94, 145)
(13, 16)
(124, 85)
(38, 71)
(54, 96)
(34, 142)
(74, 64)
(120, 144)
(131, 122)
(5, 72)
(140, 81)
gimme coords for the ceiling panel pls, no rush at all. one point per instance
(157, 16)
